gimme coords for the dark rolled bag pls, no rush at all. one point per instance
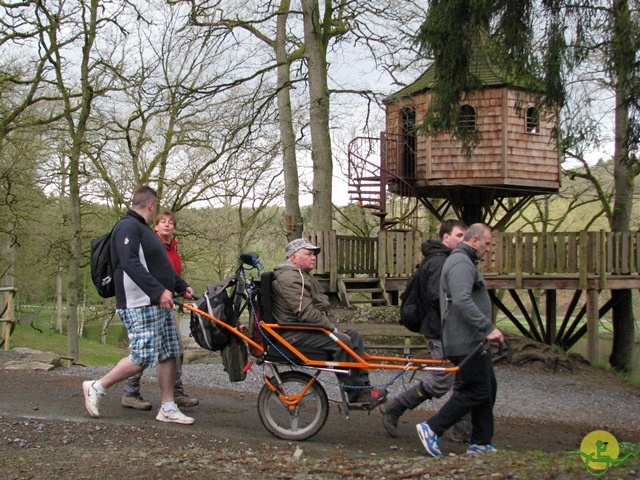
(235, 358)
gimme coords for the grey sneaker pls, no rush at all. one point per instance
(137, 403)
(461, 431)
(91, 398)
(185, 401)
(174, 416)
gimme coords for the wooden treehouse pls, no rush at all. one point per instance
(549, 285)
(515, 157)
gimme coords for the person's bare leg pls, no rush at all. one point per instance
(167, 378)
(123, 370)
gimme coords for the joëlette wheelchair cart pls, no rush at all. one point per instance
(292, 404)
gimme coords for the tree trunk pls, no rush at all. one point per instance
(77, 131)
(73, 285)
(316, 49)
(293, 218)
(58, 324)
(8, 256)
(624, 173)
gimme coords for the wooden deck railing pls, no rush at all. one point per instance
(582, 254)
(519, 254)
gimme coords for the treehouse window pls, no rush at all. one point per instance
(408, 164)
(467, 119)
(533, 120)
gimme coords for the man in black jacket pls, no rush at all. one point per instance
(145, 283)
(435, 385)
(467, 308)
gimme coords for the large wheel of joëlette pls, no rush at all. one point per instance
(300, 422)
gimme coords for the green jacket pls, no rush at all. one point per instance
(297, 297)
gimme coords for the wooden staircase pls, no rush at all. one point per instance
(369, 182)
(366, 191)
(362, 291)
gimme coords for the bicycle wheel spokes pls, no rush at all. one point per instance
(289, 421)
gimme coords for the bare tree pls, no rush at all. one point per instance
(259, 22)
(80, 74)
(180, 114)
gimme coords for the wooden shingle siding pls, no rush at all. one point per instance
(506, 155)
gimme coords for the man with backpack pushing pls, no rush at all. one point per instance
(435, 385)
(145, 283)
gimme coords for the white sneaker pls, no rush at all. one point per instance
(91, 398)
(174, 416)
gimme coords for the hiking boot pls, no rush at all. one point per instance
(91, 398)
(461, 431)
(391, 413)
(173, 416)
(184, 400)
(429, 439)
(135, 402)
(474, 448)
(408, 400)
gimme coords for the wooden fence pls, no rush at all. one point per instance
(519, 254)
(583, 254)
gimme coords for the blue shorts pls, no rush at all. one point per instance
(152, 334)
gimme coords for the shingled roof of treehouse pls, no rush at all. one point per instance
(516, 155)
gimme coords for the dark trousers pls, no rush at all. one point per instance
(475, 392)
(315, 341)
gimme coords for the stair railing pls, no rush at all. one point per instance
(369, 183)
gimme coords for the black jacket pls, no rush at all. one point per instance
(142, 270)
(435, 253)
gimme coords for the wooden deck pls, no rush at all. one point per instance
(389, 336)
(529, 267)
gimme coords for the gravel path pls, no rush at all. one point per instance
(45, 432)
(587, 396)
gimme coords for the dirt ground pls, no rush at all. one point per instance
(46, 433)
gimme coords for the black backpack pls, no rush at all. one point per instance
(101, 266)
(411, 311)
(217, 302)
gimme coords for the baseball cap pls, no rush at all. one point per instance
(294, 246)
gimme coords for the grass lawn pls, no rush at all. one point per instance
(90, 353)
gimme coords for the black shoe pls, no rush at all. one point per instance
(371, 396)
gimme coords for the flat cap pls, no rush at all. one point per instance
(294, 246)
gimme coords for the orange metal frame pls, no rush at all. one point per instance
(366, 362)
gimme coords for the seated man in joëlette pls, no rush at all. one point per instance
(297, 298)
